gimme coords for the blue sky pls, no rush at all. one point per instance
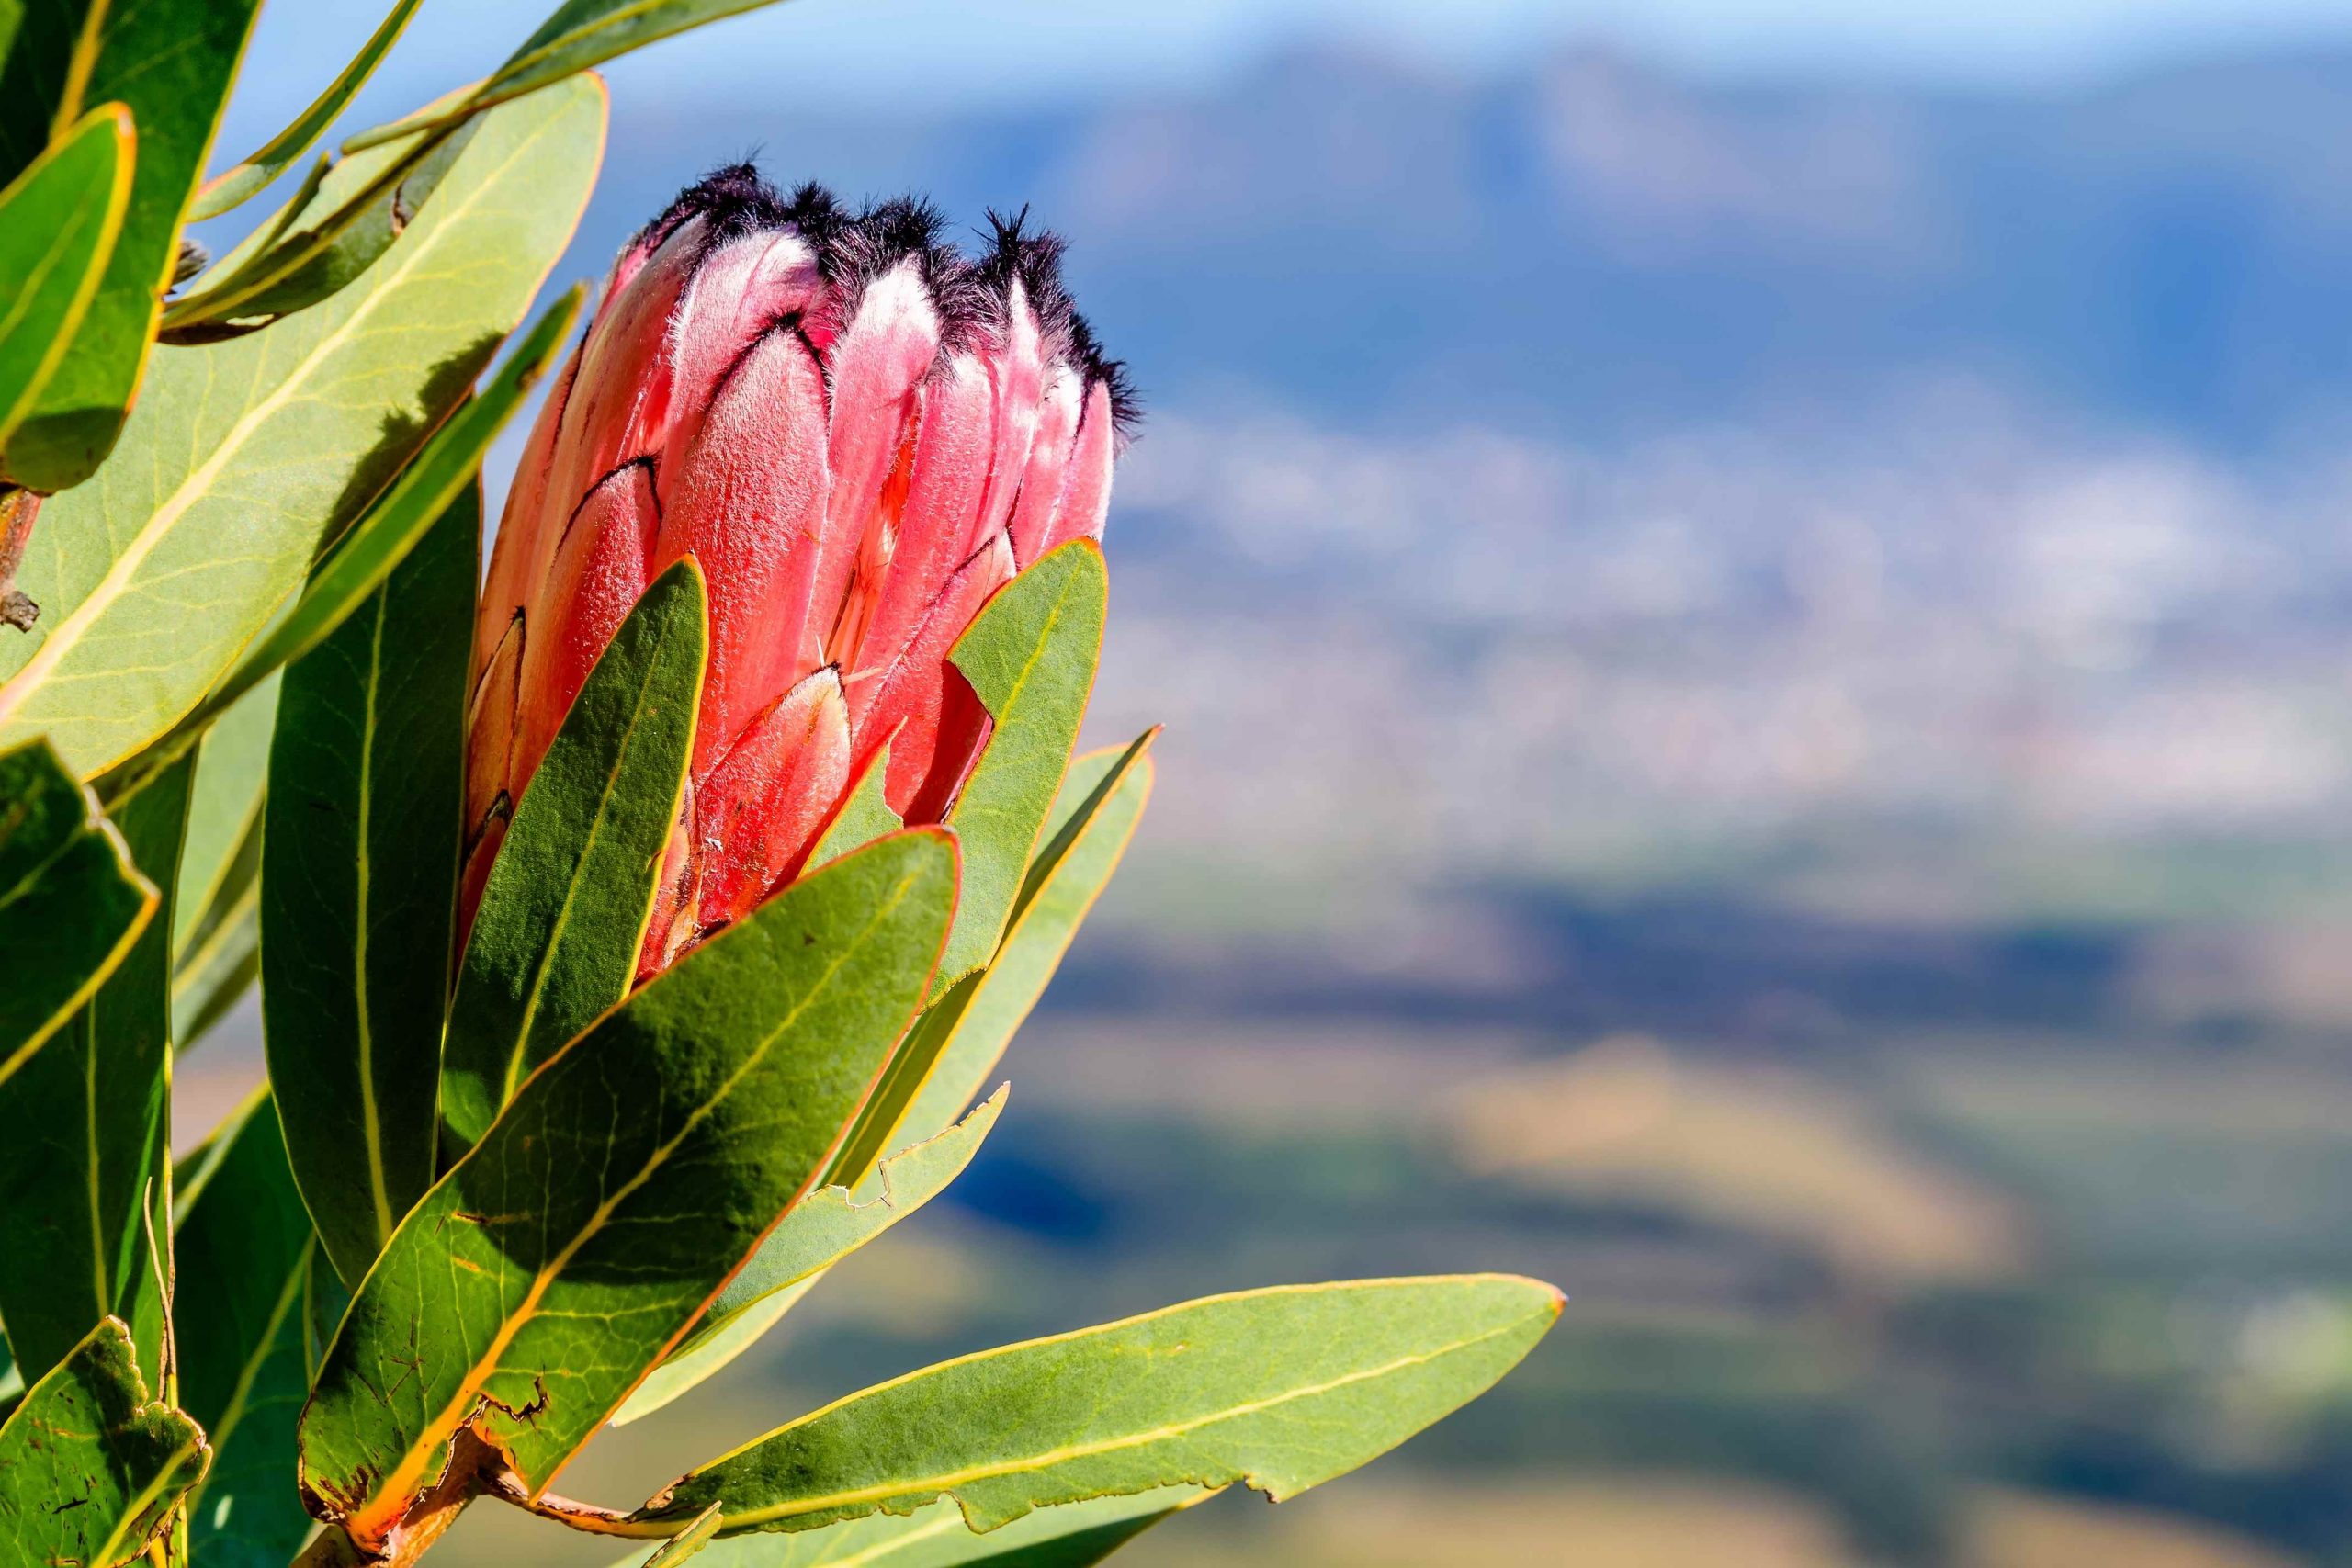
(958, 51)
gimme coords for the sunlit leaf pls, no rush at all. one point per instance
(89, 1464)
(244, 1249)
(1074, 1535)
(950, 1052)
(359, 889)
(86, 1134)
(243, 180)
(822, 1229)
(37, 47)
(224, 960)
(540, 1279)
(59, 221)
(1029, 657)
(1278, 1390)
(170, 62)
(245, 458)
(230, 767)
(864, 814)
(71, 901)
(579, 33)
(368, 551)
(687, 1542)
(346, 215)
(554, 944)
(216, 913)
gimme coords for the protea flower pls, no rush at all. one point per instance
(860, 434)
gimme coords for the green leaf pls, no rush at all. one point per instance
(86, 1134)
(687, 1542)
(822, 1229)
(962, 1037)
(380, 540)
(864, 815)
(243, 180)
(554, 942)
(170, 62)
(1075, 1535)
(244, 1249)
(37, 45)
(358, 890)
(245, 458)
(71, 901)
(579, 33)
(59, 221)
(345, 217)
(1094, 818)
(702, 1357)
(540, 1280)
(231, 765)
(216, 917)
(89, 1466)
(1277, 1388)
(225, 956)
(1029, 657)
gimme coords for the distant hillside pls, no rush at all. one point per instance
(1590, 244)
(1589, 471)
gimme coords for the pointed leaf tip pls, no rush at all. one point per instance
(1279, 1389)
(686, 1120)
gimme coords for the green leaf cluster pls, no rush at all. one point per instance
(496, 1195)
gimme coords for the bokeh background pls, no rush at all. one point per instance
(1754, 607)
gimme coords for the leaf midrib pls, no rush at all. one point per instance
(61, 241)
(398, 1482)
(948, 1481)
(525, 62)
(115, 584)
(371, 1114)
(511, 1079)
(264, 1346)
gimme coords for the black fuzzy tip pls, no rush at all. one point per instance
(732, 200)
(973, 296)
(1035, 260)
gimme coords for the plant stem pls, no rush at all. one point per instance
(589, 1518)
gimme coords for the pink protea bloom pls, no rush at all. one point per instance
(859, 435)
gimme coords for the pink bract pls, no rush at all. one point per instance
(860, 434)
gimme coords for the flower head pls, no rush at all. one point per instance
(859, 434)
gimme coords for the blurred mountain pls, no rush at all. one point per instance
(1592, 245)
(1905, 495)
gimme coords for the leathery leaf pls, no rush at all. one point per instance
(822, 1229)
(359, 887)
(248, 176)
(449, 465)
(581, 33)
(89, 1463)
(1074, 1535)
(232, 761)
(1278, 1390)
(552, 1269)
(244, 1250)
(86, 1159)
(58, 224)
(71, 901)
(244, 458)
(554, 942)
(1029, 657)
(170, 63)
(962, 1036)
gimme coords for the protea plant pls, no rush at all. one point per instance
(638, 929)
(860, 436)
